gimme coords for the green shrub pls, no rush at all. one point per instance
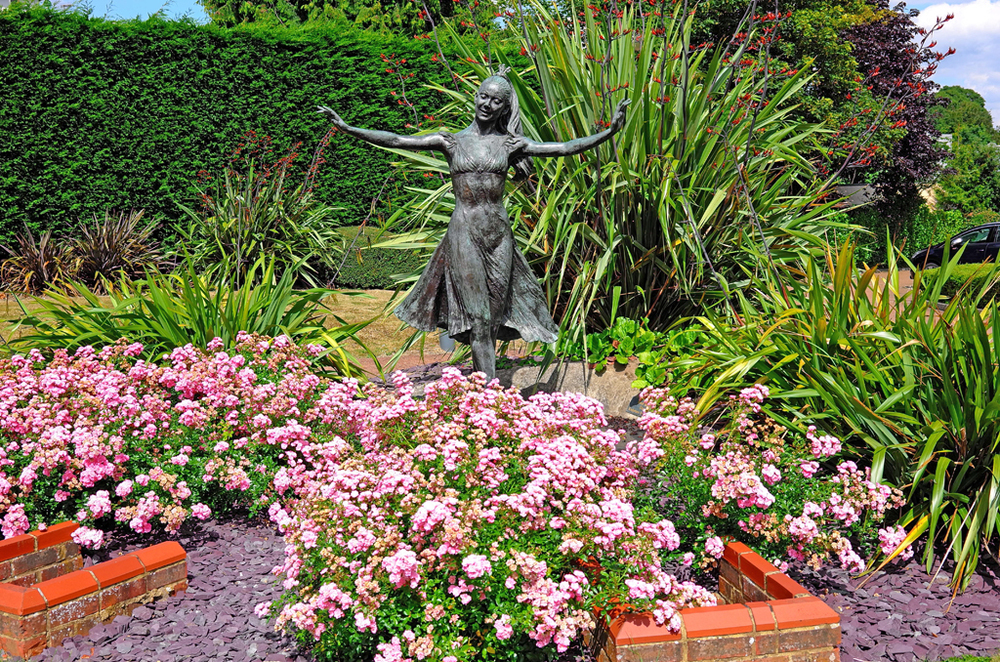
(627, 339)
(116, 245)
(34, 265)
(933, 226)
(925, 227)
(167, 311)
(254, 210)
(911, 387)
(967, 277)
(374, 268)
(98, 114)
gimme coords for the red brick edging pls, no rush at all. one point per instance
(47, 595)
(769, 617)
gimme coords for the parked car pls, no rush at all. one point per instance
(982, 243)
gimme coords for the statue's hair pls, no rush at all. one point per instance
(510, 122)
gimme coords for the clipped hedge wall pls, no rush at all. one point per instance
(98, 114)
(962, 273)
(374, 268)
(925, 227)
(366, 268)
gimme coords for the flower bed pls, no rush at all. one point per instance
(471, 524)
(461, 526)
(49, 597)
(767, 615)
(789, 493)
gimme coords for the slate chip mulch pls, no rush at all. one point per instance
(229, 572)
(902, 613)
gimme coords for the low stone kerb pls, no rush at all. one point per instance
(158, 556)
(117, 570)
(68, 587)
(19, 600)
(36, 614)
(716, 621)
(16, 546)
(790, 623)
(55, 534)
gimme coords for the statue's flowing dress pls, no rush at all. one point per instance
(476, 275)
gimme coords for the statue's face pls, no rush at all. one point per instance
(491, 100)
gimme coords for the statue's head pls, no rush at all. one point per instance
(493, 101)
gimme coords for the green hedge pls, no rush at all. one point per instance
(961, 274)
(375, 268)
(925, 227)
(98, 114)
(367, 268)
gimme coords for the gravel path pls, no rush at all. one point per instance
(229, 566)
(901, 615)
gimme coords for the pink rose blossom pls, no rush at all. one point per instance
(476, 565)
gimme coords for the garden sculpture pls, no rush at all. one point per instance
(478, 286)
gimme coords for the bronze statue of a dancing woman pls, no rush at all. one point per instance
(477, 285)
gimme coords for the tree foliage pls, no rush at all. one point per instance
(899, 63)
(973, 179)
(965, 108)
(866, 58)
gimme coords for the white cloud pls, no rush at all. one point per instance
(975, 35)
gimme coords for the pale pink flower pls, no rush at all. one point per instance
(503, 627)
(476, 565)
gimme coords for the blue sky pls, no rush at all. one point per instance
(144, 8)
(974, 32)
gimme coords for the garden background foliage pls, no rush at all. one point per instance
(121, 115)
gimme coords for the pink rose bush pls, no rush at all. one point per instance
(466, 523)
(109, 439)
(784, 494)
(469, 524)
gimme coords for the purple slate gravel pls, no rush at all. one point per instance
(229, 572)
(900, 614)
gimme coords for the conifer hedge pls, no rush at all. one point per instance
(98, 114)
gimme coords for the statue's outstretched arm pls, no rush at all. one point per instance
(432, 141)
(531, 148)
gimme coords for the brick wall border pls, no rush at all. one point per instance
(48, 595)
(768, 617)
(40, 555)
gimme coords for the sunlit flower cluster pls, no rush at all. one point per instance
(103, 437)
(470, 506)
(767, 486)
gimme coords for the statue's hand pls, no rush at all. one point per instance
(337, 121)
(618, 121)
